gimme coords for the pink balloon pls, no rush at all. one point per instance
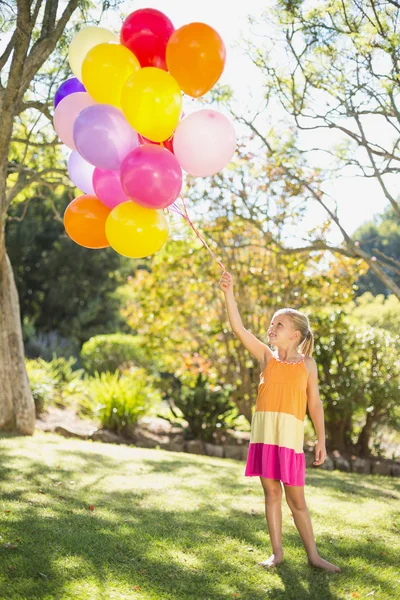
(108, 188)
(151, 176)
(204, 142)
(65, 114)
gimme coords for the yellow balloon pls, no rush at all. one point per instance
(152, 102)
(105, 69)
(84, 40)
(135, 231)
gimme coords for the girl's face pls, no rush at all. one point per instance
(281, 331)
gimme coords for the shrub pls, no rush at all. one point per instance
(41, 383)
(118, 399)
(104, 353)
(53, 382)
(206, 407)
(359, 380)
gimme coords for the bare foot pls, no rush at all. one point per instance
(323, 564)
(272, 561)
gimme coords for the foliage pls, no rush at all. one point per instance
(42, 384)
(118, 399)
(178, 307)
(53, 382)
(376, 311)
(359, 380)
(114, 351)
(206, 406)
(63, 287)
(380, 236)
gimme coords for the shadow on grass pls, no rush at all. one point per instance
(169, 554)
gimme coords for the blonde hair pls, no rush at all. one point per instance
(301, 323)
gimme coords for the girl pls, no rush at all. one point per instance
(288, 383)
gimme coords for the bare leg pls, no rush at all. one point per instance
(297, 503)
(273, 513)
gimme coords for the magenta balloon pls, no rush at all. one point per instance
(65, 114)
(103, 136)
(108, 188)
(80, 172)
(204, 142)
(151, 176)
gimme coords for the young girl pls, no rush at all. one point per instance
(288, 383)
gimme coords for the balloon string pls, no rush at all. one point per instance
(185, 215)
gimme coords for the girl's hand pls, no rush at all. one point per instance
(320, 454)
(226, 283)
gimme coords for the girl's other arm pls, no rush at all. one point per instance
(259, 350)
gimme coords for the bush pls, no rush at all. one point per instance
(359, 380)
(118, 399)
(41, 383)
(107, 353)
(53, 382)
(206, 407)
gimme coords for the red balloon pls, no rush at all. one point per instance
(168, 144)
(146, 33)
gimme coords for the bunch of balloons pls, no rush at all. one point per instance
(121, 115)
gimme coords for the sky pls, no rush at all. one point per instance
(358, 199)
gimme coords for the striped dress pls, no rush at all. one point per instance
(277, 427)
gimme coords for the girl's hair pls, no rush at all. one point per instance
(300, 323)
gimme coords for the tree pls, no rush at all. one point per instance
(34, 30)
(359, 380)
(63, 288)
(380, 237)
(178, 308)
(333, 67)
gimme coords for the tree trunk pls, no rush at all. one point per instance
(17, 409)
(362, 445)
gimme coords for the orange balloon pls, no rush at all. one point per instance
(196, 58)
(85, 221)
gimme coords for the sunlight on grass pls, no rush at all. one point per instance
(92, 521)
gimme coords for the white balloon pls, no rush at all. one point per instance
(81, 172)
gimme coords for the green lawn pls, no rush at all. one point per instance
(174, 526)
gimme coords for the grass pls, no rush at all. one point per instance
(92, 521)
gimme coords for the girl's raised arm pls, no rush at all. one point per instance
(258, 349)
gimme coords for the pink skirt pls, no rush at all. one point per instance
(276, 462)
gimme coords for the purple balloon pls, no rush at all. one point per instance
(103, 136)
(70, 86)
(107, 187)
(151, 176)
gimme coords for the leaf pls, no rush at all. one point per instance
(91, 506)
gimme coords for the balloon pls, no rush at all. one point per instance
(84, 222)
(105, 69)
(80, 172)
(135, 231)
(151, 102)
(70, 86)
(146, 33)
(66, 113)
(108, 188)
(151, 176)
(84, 40)
(103, 137)
(168, 144)
(204, 142)
(196, 58)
